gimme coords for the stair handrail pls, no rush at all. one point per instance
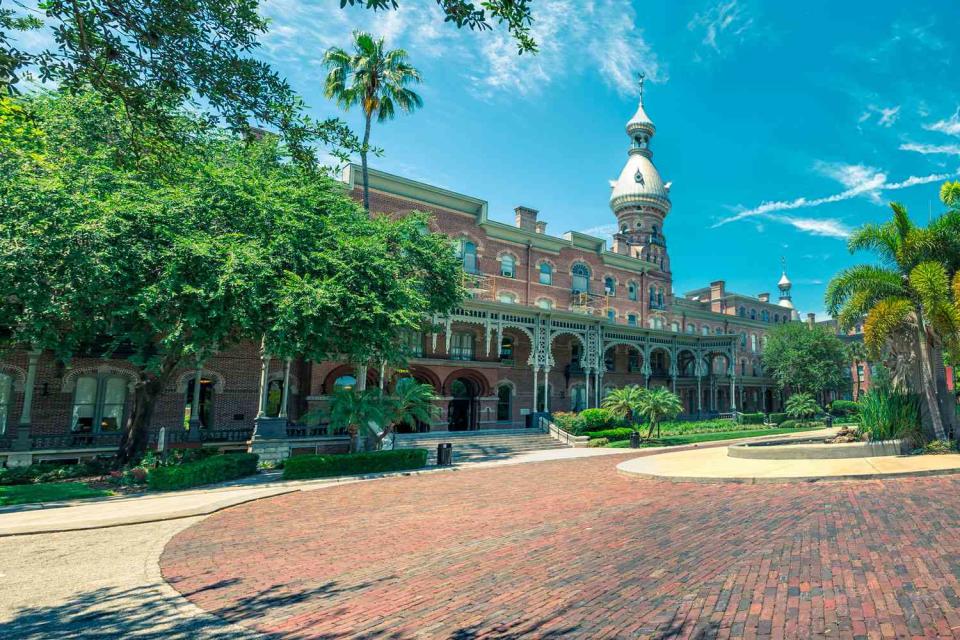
(559, 434)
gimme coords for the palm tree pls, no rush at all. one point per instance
(657, 405)
(801, 405)
(625, 403)
(911, 292)
(857, 352)
(411, 402)
(374, 78)
(357, 410)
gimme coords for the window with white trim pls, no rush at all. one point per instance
(98, 404)
(462, 346)
(546, 273)
(508, 266)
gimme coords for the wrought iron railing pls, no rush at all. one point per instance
(75, 440)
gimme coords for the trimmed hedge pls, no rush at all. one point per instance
(752, 418)
(778, 418)
(613, 435)
(599, 419)
(38, 473)
(844, 408)
(572, 423)
(216, 468)
(326, 466)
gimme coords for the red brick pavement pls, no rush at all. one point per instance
(569, 549)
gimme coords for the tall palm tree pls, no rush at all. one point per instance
(625, 403)
(910, 292)
(657, 405)
(377, 79)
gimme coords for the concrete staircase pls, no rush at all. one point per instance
(478, 446)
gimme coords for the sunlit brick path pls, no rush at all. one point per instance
(571, 549)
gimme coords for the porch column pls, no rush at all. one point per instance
(587, 385)
(546, 389)
(740, 400)
(195, 399)
(286, 390)
(534, 409)
(28, 385)
(699, 395)
(599, 389)
(383, 374)
(264, 376)
(673, 382)
(733, 392)
(763, 398)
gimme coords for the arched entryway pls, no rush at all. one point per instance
(463, 408)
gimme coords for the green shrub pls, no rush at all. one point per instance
(598, 442)
(217, 468)
(752, 418)
(844, 408)
(887, 414)
(37, 473)
(789, 424)
(572, 423)
(620, 433)
(777, 418)
(327, 466)
(599, 419)
(939, 447)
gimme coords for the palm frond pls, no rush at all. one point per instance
(881, 239)
(875, 282)
(884, 319)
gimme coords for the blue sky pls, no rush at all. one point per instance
(781, 125)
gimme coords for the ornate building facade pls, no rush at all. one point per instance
(551, 324)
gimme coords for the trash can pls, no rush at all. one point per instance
(444, 454)
(635, 440)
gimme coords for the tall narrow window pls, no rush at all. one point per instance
(98, 404)
(609, 286)
(506, 349)
(632, 319)
(611, 315)
(753, 342)
(205, 410)
(546, 273)
(705, 330)
(6, 393)
(469, 254)
(691, 328)
(581, 278)
(274, 398)
(743, 340)
(660, 298)
(508, 266)
(462, 346)
(753, 314)
(503, 403)
(653, 296)
(632, 290)
(742, 312)
(414, 343)
(675, 327)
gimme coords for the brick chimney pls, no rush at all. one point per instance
(716, 293)
(811, 320)
(526, 218)
(541, 227)
(763, 297)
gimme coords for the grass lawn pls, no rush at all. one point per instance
(696, 438)
(47, 492)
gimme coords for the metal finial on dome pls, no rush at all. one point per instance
(641, 77)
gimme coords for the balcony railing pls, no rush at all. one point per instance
(76, 440)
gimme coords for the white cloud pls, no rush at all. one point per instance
(604, 231)
(886, 116)
(723, 21)
(859, 180)
(950, 126)
(931, 149)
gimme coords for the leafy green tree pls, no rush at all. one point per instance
(515, 14)
(213, 244)
(156, 56)
(625, 402)
(804, 359)
(801, 405)
(376, 79)
(909, 293)
(657, 405)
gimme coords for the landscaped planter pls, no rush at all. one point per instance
(814, 450)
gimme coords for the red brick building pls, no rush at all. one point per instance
(551, 324)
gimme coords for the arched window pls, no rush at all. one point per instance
(344, 383)
(660, 298)
(6, 399)
(719, 331)
(632, 290)
(675, 327)
(753, 342)
(743, 340)
(581, 278)
(757, 370)
(545, 303)
(98, 404)
(765, 316)
(507, 298)
(508, 266)
(546, 273)
(506, 348)
(468, 253)
(742, 312)
(609, 286)
(753, 314)
(504, 396)
(704, 330)
(691, 328)
(743, 367)
(462, 348)
(632, 319)
(205, 408)
(653, 296)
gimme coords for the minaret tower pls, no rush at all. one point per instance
(785, 285)
(640, 199)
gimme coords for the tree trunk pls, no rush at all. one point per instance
(928, 382)
(133, 444)
(363, 162)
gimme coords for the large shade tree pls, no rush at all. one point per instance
(804, 359)
(907, 296)
(214, 243)
(377, 80)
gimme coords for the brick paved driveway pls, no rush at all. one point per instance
(569, 549)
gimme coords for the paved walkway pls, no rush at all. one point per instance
(714, 465)
(572, 549)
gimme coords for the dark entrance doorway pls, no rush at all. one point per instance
(462, 411)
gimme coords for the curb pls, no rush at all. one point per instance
(920, 473)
